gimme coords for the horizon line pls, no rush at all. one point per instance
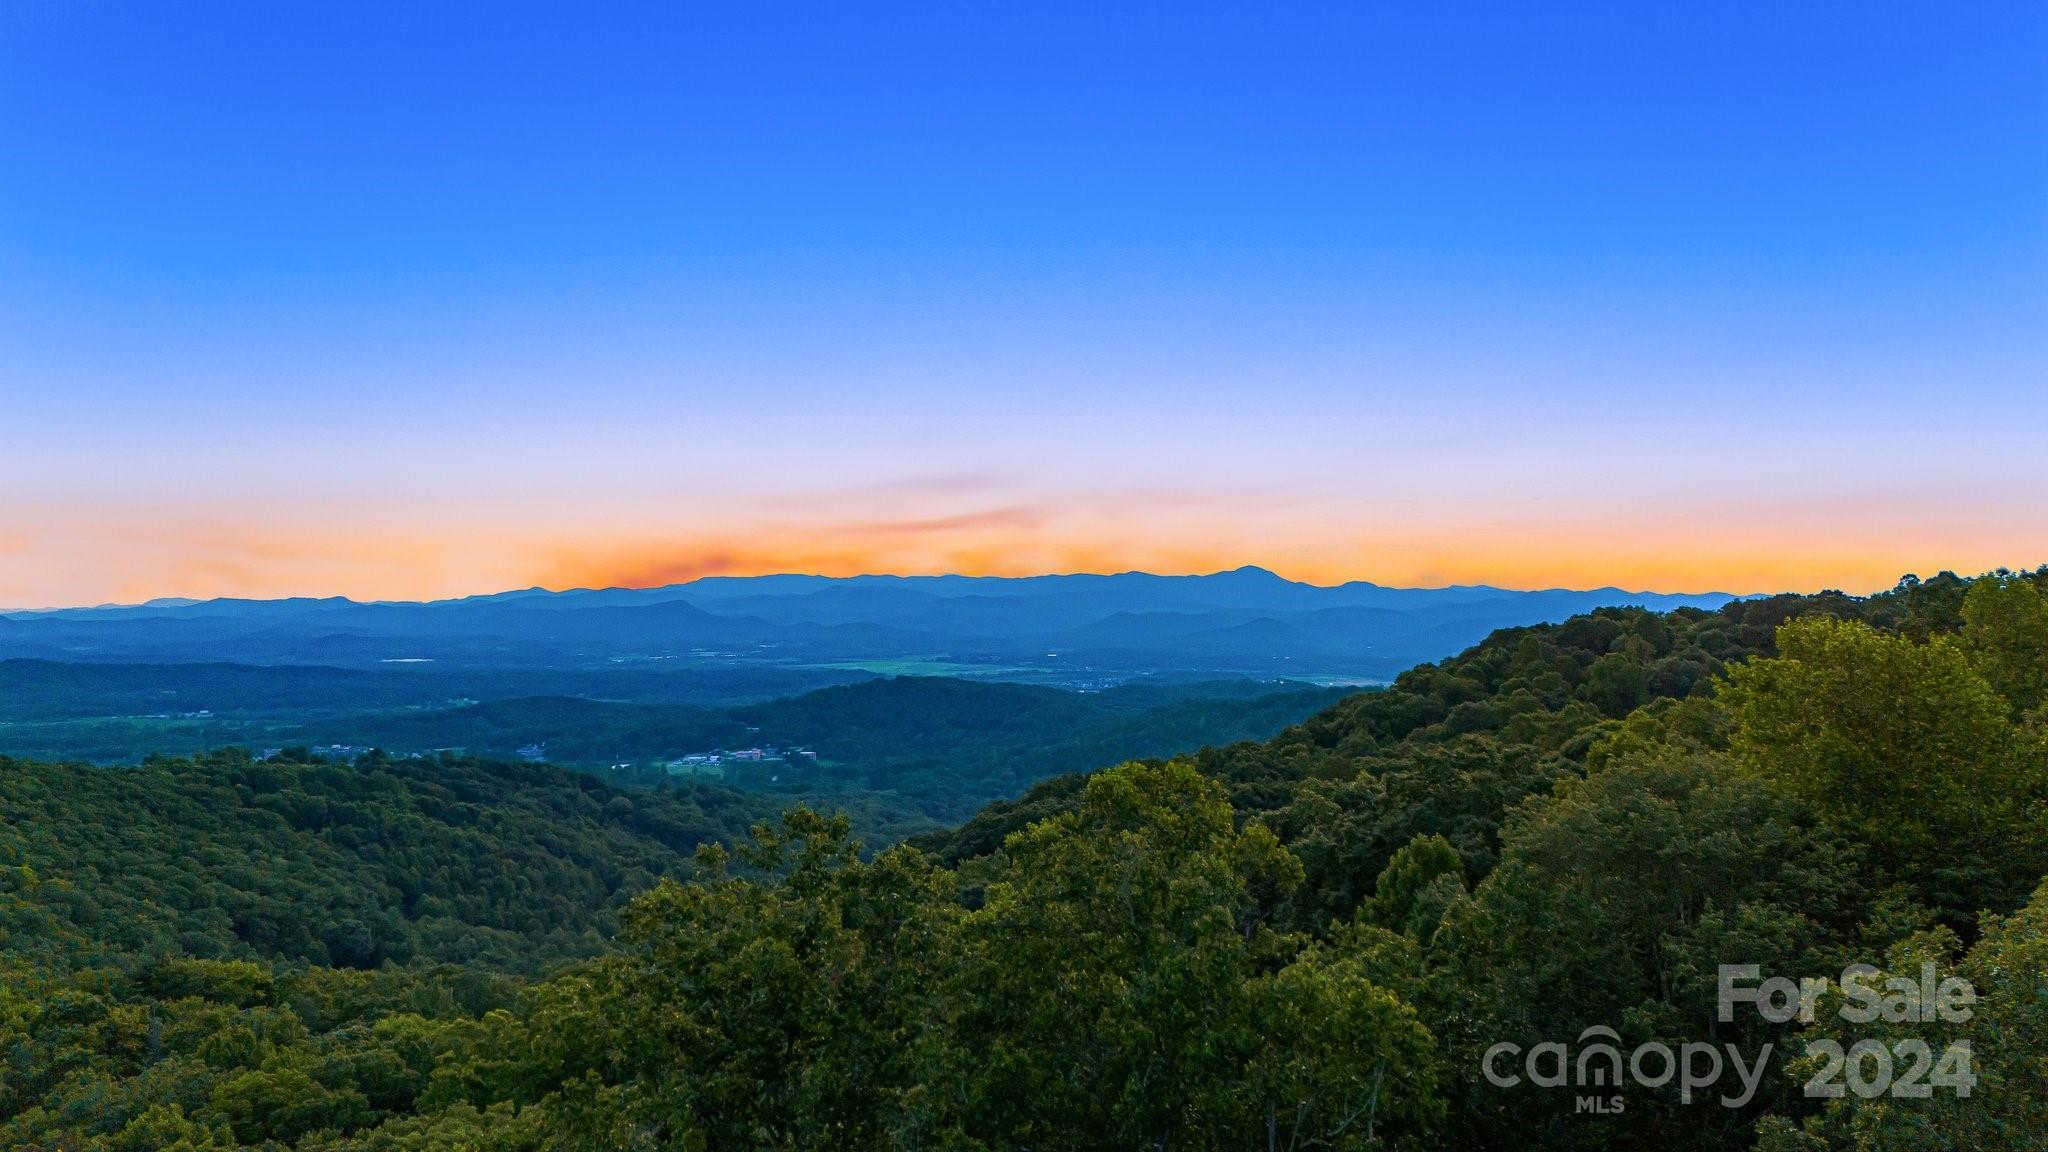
(176, 601)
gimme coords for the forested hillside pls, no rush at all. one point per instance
(937, 747)
(920, 750)
(505, 866)
(1317, 941)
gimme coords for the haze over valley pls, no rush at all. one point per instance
(913, 699)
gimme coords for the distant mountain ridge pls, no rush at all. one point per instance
(1247, 621)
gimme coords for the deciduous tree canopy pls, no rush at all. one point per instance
(1307, 943)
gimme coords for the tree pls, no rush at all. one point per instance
(1420, 882)
(1615, 900)
(2007, 1031)
(1340, 1061)
(1616, 683)
(1905, 747)
(1122, 988)
(786, 1011)
(2005, 633)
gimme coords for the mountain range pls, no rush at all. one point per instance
(1248, 621)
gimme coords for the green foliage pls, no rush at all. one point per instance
(944, 747)
(209, 1055)
(1122, 985)
(1906, 748)
(1307, 943)
(2007, 1031)
(1614, 903)
(1420, 883)
(504, 866)
(1117, 987)
(903, 752)
(2005, 633)
(786, 1015)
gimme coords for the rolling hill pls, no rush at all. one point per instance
(1054, 629)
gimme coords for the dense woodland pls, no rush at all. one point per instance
(1305, 943)
(911, 752)
(935, 748)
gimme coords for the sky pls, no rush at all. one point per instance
(418, 300)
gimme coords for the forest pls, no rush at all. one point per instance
(916, 751)
(1559, 837)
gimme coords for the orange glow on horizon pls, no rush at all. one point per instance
(414, 552)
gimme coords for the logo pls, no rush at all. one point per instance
(1868, 1067)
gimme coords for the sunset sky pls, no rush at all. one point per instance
(418, 300)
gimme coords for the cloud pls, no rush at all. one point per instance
(653, 564)
(1006, 518)
(961, 541)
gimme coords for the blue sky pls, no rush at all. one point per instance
(422, 299)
